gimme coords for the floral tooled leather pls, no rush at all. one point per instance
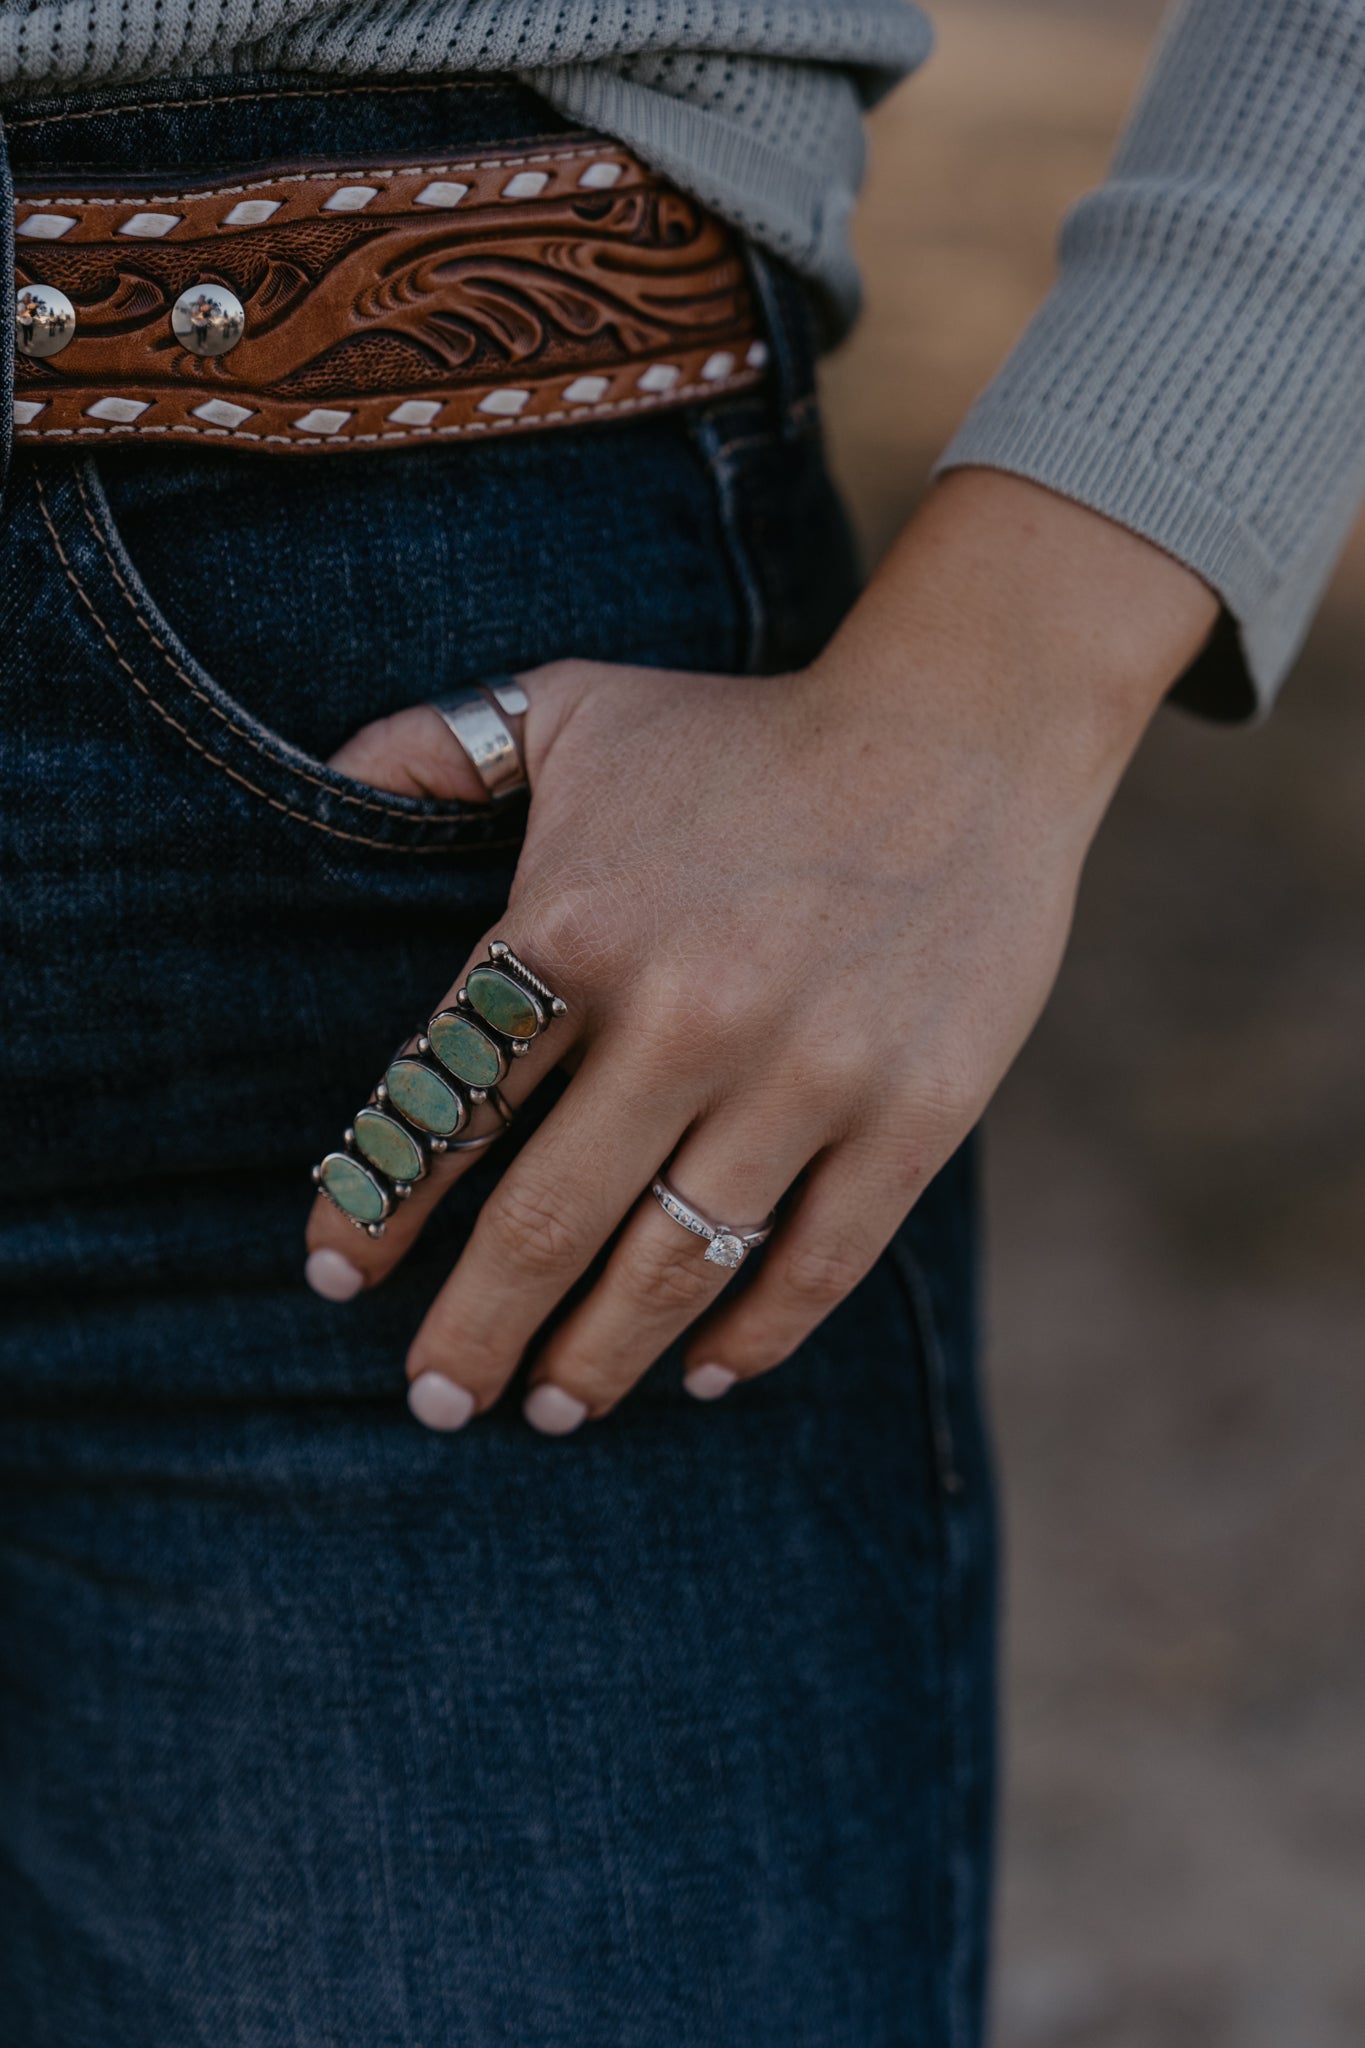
(524, 289)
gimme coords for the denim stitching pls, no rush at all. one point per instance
(302, 817)
(197, 690)
(232, 99)
(957, 1854)
(724, 482)
(935, 1365)
(741, 444)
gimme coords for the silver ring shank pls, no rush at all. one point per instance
(725, 1245)
(482, 732)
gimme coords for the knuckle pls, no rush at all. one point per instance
(819, 1273)
(667, 1001)
(529, 1230)
(831, 1068)
(909, 1173)
(945, 1101)
(576, 933)
(691, 1014)
(570, 671)
(728, 999)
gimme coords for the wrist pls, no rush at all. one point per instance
(1041, 628)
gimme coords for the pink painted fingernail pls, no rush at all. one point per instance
(332, 1276)
(552, 1411)
(438, 1403)
(708, 1382)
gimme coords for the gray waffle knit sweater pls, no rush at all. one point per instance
(1198, 371)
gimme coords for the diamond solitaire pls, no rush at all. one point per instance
(725, 1249)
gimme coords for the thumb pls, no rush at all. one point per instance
(415, 753)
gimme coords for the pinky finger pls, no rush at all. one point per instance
(837, 1228)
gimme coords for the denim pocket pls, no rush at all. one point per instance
(147, 656)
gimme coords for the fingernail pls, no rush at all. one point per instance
(708, 1382)
(553, 1412)
(438, 1403)
(332, 1276)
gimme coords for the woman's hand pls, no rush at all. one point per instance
(803, 925)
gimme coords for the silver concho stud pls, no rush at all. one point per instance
(208, 319)
(44, 320)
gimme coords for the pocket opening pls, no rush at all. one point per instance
(149, 655)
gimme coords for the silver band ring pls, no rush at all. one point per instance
(508, 695)
(726, 1244)
(506, 1118)
(483, 734)
(477, 1144)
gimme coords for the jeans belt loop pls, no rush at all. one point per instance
(789, 322)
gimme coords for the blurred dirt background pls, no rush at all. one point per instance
(1177, 1190)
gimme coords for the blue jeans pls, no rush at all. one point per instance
(319, 1730)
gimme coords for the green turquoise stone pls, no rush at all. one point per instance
(469, 1053)
(503, 1003)
(387, 1145)
(353, 1189)
(424, 1098)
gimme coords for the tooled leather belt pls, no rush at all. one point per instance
(315, 307)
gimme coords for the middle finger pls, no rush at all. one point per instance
(546, 1220)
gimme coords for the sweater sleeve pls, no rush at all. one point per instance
(1197, 372)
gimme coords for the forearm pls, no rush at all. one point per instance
(1198, 371)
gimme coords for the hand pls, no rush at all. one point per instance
(803, 926)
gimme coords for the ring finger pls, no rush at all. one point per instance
(732, 1171)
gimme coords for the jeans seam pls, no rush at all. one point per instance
(959, 1875)
(957, 1854)
(803, 412)
(741, 445)
(215, 760)
(920, 1303)
(797, 398)
(722, 471)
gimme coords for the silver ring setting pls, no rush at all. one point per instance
(474, 718)
(421, 1107)
(726, 1244)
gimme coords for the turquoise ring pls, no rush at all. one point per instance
(419, 1109)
